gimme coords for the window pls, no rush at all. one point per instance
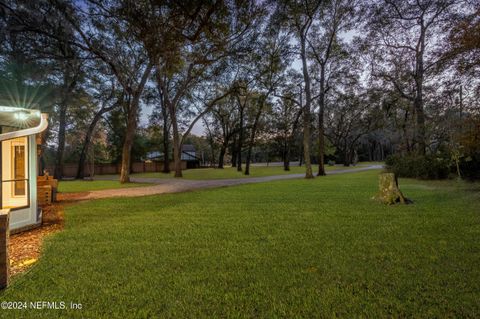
(14, 173)
(19, 167)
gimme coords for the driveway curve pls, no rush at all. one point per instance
(172, 185)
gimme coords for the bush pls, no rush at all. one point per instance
(415, 166)
(470, 167)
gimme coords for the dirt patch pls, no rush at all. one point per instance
(24, 249)
(72, 197)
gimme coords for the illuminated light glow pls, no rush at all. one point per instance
(26, 121)
(21, 116)
(8, 109)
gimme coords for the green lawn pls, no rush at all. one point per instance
(77, 186)
(296, 248)
(229, 172)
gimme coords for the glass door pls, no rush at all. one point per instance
(14, 173)
(19, 169)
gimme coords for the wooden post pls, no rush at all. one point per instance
(4, 238)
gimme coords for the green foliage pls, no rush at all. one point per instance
(286, 249)
(470, 142)
(470, 166)
(423, 167)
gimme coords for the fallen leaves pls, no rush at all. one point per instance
(25, 247)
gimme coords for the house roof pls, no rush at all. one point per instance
(17, 122)
(188, 148)
(154, 155)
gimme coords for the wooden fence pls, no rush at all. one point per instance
(70, 170)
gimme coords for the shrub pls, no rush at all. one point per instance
(415, 166)
(470, 166)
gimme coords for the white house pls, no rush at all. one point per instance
(18, 164)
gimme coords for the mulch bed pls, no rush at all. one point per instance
(25, 247)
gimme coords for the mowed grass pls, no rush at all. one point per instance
(76, 186)
(230, 172)
(298, 248)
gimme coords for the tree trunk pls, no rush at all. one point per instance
(252, 139)
(86, 145)
(128, 142)
(247, 160)
(420, 115)
(132, 127)
(300, 158)
(61, 140)
(166, 139)
(70, 73)
(307, 110)
(240, 142)
(388, 191)
(321, 126)
(221, 157)
(239, 156)
(347, 156)
(347, 161)
(177, 148)
(418, 102)
(234, 153)
(286, 154)
(166, 129)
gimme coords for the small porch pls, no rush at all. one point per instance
(19, 129)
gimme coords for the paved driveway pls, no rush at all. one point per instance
(173, 185)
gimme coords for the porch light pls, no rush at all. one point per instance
(21, 116)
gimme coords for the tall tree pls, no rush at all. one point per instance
(214, 32)
(298, 17)
(118, 48)
(406, 35)
(269, 63)
(286, 116)
(107, 101)
(335, 17)
(223, 122)
(52, 38)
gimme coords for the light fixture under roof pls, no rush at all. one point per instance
(15, 121)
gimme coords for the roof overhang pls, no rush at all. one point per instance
(22, 122)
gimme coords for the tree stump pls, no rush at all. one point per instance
(389, 193)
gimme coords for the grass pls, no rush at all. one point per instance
(77, 186)
(229, 172)
(297, 248)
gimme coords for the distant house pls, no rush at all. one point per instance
(188, 155)
(18, 164)
(154, 156)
